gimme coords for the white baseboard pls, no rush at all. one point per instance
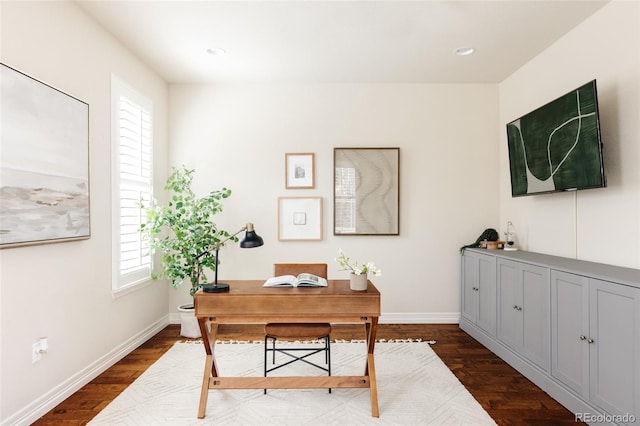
(174, 318)
(420, 318)
(48, 401)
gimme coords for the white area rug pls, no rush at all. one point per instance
(414, 388)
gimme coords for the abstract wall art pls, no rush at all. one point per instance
(366, 191)
(44, 166)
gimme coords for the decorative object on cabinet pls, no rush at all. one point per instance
(44, 163)
(366, 191)
(488, 234)
(300, 218)
(509, 237)
(300, 171)
(491, 245)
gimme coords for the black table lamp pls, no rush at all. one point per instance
(250, 240)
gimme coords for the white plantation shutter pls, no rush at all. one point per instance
(132, 124)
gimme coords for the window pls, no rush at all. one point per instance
(131, 141)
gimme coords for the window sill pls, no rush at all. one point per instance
(130, 288)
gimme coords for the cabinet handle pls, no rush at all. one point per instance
(582, 337)
(517, 308)
(475, 288)
(590, 340)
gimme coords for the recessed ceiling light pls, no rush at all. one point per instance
(216, 51)
(464, 51)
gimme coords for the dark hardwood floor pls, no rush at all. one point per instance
(505, 394)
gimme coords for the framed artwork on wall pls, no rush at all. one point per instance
(300, 171)
(300, 218)
(44, 165)
(366, 191)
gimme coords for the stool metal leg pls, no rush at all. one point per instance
(273, 341)
(265, 358)
(327, 355)
(311, 351)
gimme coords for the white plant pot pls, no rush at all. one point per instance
(188, 323)
(358, 282)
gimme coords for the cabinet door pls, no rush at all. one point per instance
(469, 286)
(569, 328)
(535, 314)
(614, 337)
(479, 290)
(523, 310)
(487, 294)
(509, 329)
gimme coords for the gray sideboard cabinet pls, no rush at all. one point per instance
(596, 341)
(572, 327)
(479, 291)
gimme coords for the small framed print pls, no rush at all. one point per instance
(299, 171)
(300, 218)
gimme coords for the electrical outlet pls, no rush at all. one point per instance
(38, 348)
(36, 355)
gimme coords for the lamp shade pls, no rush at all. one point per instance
(251, 239)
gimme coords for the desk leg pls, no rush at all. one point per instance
(370, 369)
(210, 369)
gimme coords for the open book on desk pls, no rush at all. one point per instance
(302, 280)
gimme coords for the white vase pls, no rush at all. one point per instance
(358, 282)
(189, 326)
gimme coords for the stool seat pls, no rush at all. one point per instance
(317, 334)
(298, 330)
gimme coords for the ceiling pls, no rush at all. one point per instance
(304, 41)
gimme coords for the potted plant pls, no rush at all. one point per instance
(182, 230)
(359, 272)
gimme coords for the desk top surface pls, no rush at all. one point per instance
(249, 297)
(255, 287)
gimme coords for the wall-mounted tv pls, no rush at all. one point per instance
(557, 147)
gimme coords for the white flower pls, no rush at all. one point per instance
(347, 265)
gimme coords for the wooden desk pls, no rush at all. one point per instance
(249, 303)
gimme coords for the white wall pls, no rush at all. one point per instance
(237, 136)
(601, 225)
(63, 291)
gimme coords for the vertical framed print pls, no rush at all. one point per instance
(44, 165)
(300, 218)
(366, 195)
(300, 171)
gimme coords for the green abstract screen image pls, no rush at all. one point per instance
(557, 147)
